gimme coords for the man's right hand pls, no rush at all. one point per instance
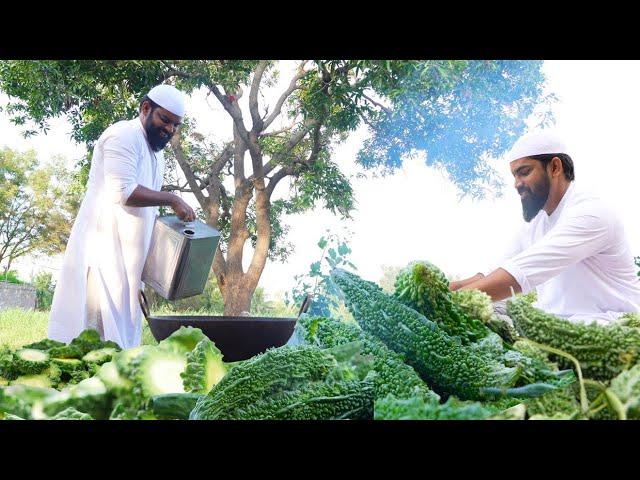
(183, 210)
(457, 285)
(145, 197)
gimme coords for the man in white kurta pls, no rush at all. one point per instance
(101, 274)
(573, 250)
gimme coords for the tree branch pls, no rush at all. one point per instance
(173, 72)
(186, 169)
(233, 109)
(275, 133)
(294, 140)
(253, 97)
(279, 175)
(293, 85)
(386, 110)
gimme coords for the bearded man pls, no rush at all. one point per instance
(101, 274)
(572, 248)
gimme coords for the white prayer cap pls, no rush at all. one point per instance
(538, 142)
(169, 98)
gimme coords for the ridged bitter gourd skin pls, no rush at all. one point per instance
(415, 408)
(337, 400)
(268, 377)
(204, 367)
(393, 375)
(425, 288)
(603, 351)
(447, 365)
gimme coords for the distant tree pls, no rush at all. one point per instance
(637, 260)
(36, 207)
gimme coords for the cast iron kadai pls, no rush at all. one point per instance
(238, 338)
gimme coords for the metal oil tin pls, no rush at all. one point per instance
(180, 257)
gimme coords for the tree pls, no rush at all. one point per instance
(36, 207)
(455, 111)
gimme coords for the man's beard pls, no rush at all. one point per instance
(535, 199)
(154, 136)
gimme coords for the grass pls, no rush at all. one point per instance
(20, 327)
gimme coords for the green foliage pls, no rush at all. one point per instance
(626, 387)
(10, 276)
(317, 282)
(45, 287)
(457, 113)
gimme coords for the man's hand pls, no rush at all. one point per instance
(497, 285)
(144, 197)
(457, 285)
(183, 210)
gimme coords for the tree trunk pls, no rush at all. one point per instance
(238, 296)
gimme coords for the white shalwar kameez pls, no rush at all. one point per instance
(578, 259)
(109, 239)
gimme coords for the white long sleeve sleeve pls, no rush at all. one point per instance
(578, 235)
(120, 167)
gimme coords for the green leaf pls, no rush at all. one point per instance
(315, 268)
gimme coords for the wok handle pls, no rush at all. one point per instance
(305, 304)
(144, 305)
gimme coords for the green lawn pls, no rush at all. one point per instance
(20, 327)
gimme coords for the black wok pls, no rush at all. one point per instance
(238, 338)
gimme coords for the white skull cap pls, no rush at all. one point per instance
(169, 98)
(538, 142)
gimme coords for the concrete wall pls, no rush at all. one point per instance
(17, 296)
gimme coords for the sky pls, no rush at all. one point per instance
(417, 213)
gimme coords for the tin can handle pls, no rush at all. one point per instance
(305, 304)
(144, 305)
